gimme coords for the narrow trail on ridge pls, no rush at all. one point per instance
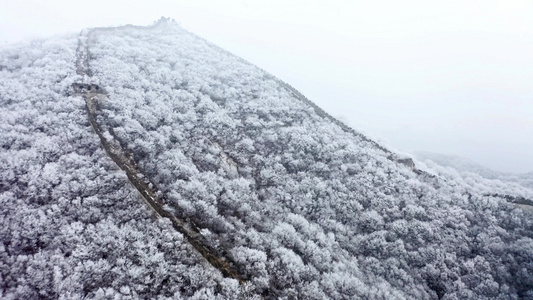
(94, 95)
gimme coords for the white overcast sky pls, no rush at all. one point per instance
(453, 77)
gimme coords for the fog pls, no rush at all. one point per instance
(451, 77)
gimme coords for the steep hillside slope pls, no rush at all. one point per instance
(297, 204)
(72, 225)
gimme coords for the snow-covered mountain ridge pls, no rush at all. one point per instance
(302, 206)
(465, 166)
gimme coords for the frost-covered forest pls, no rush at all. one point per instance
(303, 207)
(468, 168)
